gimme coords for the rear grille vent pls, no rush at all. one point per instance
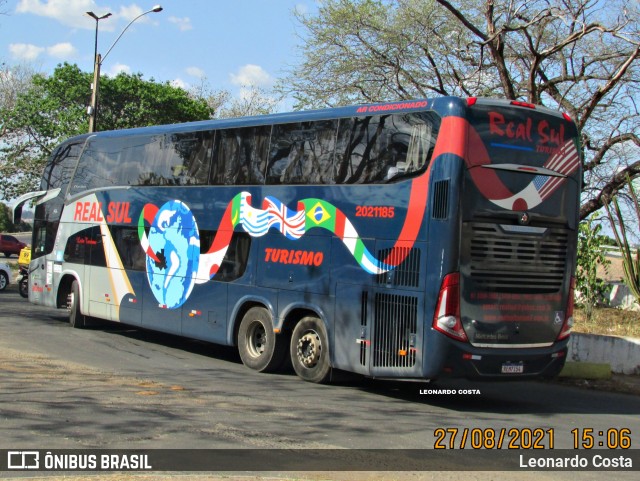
(527, 260)
(394, 337)
(407, 274)
(363, 325)
(440, 200)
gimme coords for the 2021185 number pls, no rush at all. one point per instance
(381, 211)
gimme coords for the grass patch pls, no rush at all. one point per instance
(609, 322)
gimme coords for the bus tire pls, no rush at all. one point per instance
(310, 350)
(23, 288)
(76, 318)
(259, 347)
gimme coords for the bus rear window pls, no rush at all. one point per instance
(519, 135)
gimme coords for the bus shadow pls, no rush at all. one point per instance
(519, 397)
(173, 341)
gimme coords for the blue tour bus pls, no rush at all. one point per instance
(407, 240)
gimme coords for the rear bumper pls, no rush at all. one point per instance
(463, 360)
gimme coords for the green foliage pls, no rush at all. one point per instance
(590, 287)
(630, 258)
(6, 221)
(54, 108)
(128, 101)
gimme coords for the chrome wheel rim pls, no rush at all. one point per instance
(256, 339)
(309, 349)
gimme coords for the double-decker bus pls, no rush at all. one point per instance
(407, 240)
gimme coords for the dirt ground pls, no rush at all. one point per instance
(618, 383)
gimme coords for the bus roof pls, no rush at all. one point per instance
(439, 104)
(286, 117)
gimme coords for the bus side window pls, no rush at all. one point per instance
(96, 247)
(108, 162)
(86, 247)
(45, 232)
(198, 162)
(39, 244)
(302, 153)
(381, 148)
(239, 156)
(128, 245)
(255, 143)
(364, 142)
(235, 260)
(76, 249)
(282, 152)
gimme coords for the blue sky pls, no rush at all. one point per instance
(231, 43)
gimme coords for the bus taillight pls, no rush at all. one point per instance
(568, 320)
(447, 315)
(523, 104)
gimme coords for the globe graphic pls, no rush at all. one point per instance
(175, 240)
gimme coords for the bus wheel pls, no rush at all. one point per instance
(76, 318)
(260, 349)
(310, 350)
(23, 288)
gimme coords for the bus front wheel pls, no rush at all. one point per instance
(260, 349)
(76, 318)
(310, 350)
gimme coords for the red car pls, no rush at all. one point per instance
(9, 245)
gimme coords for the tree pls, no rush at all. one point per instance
(215, 99)
(630, 256)
(128, 101)
(590, 287)
(579, 56)
(253, 100)
(14, 80)
(54, 108)
(6, 219)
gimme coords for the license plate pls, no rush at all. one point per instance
(509, 368)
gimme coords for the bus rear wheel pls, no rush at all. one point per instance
(76, 318)
(260, 349)
(310, 350)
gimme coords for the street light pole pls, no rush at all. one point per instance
(93, 107)
(92, 110)
(96, 74)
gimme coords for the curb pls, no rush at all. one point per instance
(586, 370)
(620, 354)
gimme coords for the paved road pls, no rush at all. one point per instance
(118, 387)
